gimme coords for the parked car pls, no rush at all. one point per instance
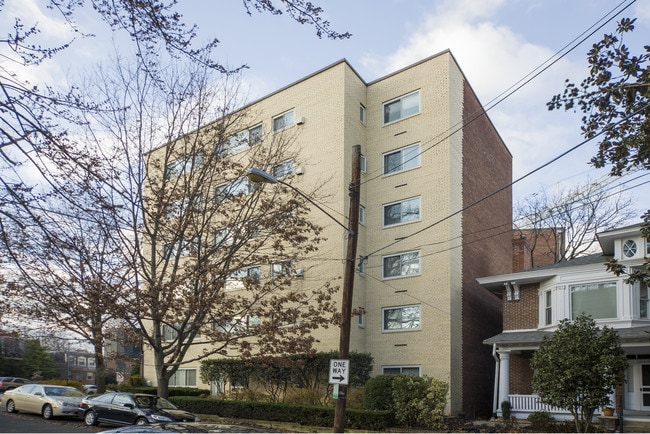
(90, 388)
(121, 408)
(8, 383)
(48, 400)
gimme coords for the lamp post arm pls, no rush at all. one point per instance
(310, 200)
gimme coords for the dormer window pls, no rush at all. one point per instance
(629, 248)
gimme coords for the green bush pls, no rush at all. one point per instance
(136, 381)
(541, 420)
(420, 401)
(378, 393)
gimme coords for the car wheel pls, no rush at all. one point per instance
(91, 418)
(141, 421)
(11, 407)
(47, 411)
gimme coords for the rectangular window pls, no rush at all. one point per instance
(283, 169)
(402, 107)
(402, 159)
(180, 248)
(281, 268)
(643, 300)
(81, 361)
(362, 214)
(283, 121)
(232, 189)
(402, 212)
(401, 370)
(91, 362)
(361, 321)
(364, 167)
(400, 265)
(401, 318)
(169, 333)
(362, 114)
(548, 310)
(177, 208)
(239, 142)
(183, 378)
(595, 299)
(253, 273)
(223, 237)
(183, 165)
(361, 266)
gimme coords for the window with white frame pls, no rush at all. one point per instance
(402, 107)
(361, 319)
(281, 268)
(402, 159)
(169, 333)
(402, 212)
(81, 361)
(283, 169)
(362, 214)
(238, 187)
(183, 165)
(237, 325)
(180, 248)
(361, 265)
(401, 370)
(91, 362)
(283, 121)
(548, 307)
(224, 237)
(183, 378)
(362, 113)
(401, 318)
(236, 279)
(643, 300)
(363, 164)
(178, 207)
(401, 265)
(240, 141)
(595, 299)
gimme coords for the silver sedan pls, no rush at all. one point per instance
(47, 400)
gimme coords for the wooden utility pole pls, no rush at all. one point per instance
(348, 282)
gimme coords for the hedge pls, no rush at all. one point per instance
(277, 412)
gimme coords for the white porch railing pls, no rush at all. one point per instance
(523, 405)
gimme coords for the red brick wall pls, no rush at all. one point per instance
(521, 374)
(522, 313)
(487, 250)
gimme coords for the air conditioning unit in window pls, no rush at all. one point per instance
(300, 120)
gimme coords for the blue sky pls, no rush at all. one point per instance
(496, 43)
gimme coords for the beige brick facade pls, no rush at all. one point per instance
(458, 237)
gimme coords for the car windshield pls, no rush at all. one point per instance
(62, 391)
(154, 402)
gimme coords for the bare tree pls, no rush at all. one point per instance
(195, 235)
(564, 224)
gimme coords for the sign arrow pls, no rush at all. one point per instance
(340, 378)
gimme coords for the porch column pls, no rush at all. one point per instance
(504, 377)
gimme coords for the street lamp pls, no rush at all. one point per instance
(257, 175)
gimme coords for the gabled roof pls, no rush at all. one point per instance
(607, 238)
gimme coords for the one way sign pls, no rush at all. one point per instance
(339, 371)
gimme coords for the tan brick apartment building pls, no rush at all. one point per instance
(430, 156)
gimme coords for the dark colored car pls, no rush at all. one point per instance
(121, 408)
(8, 383)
